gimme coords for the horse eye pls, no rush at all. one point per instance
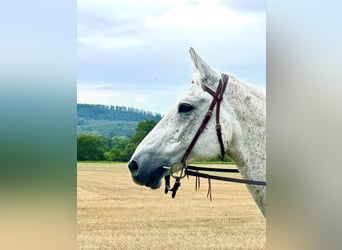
(185, 108)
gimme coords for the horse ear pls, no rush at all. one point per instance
(208, 75)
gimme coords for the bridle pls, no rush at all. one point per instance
(188, 170)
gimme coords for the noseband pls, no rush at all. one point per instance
(182, 166)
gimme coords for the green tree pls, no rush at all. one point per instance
(118, 145)
(119, 142)
(93, 147)
(128, 152)
(142, 130)
(123, 148)
(113, 155)
(90, 147)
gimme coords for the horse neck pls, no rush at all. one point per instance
(247, 147)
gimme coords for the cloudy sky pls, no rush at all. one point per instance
(136, 53)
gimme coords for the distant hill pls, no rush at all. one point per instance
(110, 121)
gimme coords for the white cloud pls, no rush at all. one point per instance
(133, 23)
(100, 40)
(148, 39)
(210, 15)
(113, 94)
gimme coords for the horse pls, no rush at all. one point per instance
(242, 121)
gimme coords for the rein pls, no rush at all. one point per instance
(188, 170)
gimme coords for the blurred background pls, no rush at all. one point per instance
(40, 60)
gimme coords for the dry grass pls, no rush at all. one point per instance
(115, 213)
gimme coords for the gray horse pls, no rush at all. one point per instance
(243, 121)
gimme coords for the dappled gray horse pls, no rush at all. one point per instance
(242, 119)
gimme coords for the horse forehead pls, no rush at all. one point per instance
(195, 92)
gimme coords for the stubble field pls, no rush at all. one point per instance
(115, 213)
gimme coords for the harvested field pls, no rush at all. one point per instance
(115, 213)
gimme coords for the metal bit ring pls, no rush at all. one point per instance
(177, 166)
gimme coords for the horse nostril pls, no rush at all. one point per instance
(133, 167)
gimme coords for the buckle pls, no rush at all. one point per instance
(209, 113)
(218, 127)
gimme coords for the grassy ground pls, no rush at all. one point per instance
(115, 213)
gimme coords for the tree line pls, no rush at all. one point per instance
(97, 148)
(114, 113)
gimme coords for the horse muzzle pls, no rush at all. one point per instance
(147, 176)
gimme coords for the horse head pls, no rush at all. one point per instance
(171, 137)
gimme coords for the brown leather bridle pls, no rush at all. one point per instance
(182, 165)
(217, 98)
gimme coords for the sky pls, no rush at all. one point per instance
(136, 53)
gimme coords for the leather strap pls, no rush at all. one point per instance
(222, 178)
(217, 98)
